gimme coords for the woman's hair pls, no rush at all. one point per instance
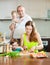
(33, 36)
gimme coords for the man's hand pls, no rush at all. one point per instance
(15, 20)
(12, 27)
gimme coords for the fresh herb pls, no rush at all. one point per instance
(11, 54)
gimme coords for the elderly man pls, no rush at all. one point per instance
(20, 22)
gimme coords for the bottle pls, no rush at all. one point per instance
(4, 37)
(7, 48)
(4, 43)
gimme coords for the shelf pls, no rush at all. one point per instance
(44, 19)
(5, 19)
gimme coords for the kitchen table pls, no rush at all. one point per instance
(25, 60)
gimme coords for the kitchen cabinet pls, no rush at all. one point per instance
(4, 48)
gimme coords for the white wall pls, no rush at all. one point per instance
(35, 8)
(6, 6)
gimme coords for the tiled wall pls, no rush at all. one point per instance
(42, 26)
(4, 27)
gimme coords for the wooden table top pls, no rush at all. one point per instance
(25, 61)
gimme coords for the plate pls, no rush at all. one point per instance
(39, 55)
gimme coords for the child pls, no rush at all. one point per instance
(12, 25)
(15, 46)
(14, 16)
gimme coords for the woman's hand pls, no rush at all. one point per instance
(32, 49)
(25, 47)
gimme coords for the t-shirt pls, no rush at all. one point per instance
(17, 49)
(29, 45)
(20, 27)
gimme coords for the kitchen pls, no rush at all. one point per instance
(39, 10)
